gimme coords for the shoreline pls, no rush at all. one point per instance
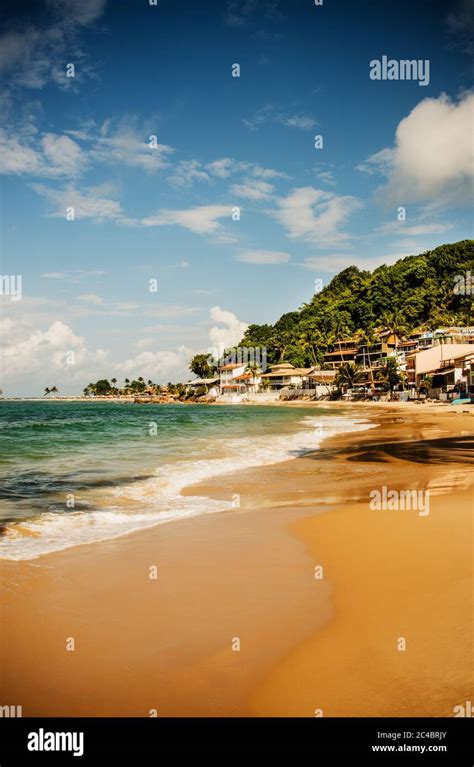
(301, 438)
(249, 574)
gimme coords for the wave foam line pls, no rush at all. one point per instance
(160, 497)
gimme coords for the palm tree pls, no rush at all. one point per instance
(46, 391)
(306, 345)
(54, 390)
(347, 375)
(254, 370)
(390, 375)
(113, 381)
(367, 338)
(341, 329)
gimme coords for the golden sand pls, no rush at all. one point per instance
(249, 575)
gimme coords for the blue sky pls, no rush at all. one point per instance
(223, 142)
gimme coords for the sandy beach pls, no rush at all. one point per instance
(236, 623)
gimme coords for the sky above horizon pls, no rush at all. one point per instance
(209, 186)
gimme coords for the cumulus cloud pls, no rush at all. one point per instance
(27, 350)
(35, 355)
(264, 257)
(160, 366)
(227, 334)
(316, 216)
(50, 156)
(433, 154)
(25, 150)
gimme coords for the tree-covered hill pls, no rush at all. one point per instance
(416, 292)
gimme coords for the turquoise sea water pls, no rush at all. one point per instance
(77, 472)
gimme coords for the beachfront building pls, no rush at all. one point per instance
(231, 380)
(371, 358)
(453, 377)
(211, 384)
(321, 382)
(444, 366)
(345, 351)
(249, 381)
(451, 335)
(285, 374)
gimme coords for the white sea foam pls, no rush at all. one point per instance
(158, 499)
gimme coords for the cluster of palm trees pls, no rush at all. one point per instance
(106, 387)
(389, 375)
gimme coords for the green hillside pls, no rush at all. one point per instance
(416, 292)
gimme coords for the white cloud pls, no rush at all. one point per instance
(35, 55)
(316, 216)
(252, 190)
(160, 366)
(15, 157)
(51, 156)
(225, 167)
(124, 144)
(260, 172)
(327, 177)
(380, 162)
(303, 122)
(433, 154)
(24, 150)
(186, 172)
(27, 350)
(227, 336)
(203, 219)
(62, 154)
(87, 204)
(264, 257)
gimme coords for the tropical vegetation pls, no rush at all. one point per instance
(416, 293)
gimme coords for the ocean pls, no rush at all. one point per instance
(73, 473)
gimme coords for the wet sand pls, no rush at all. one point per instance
(247, 577)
